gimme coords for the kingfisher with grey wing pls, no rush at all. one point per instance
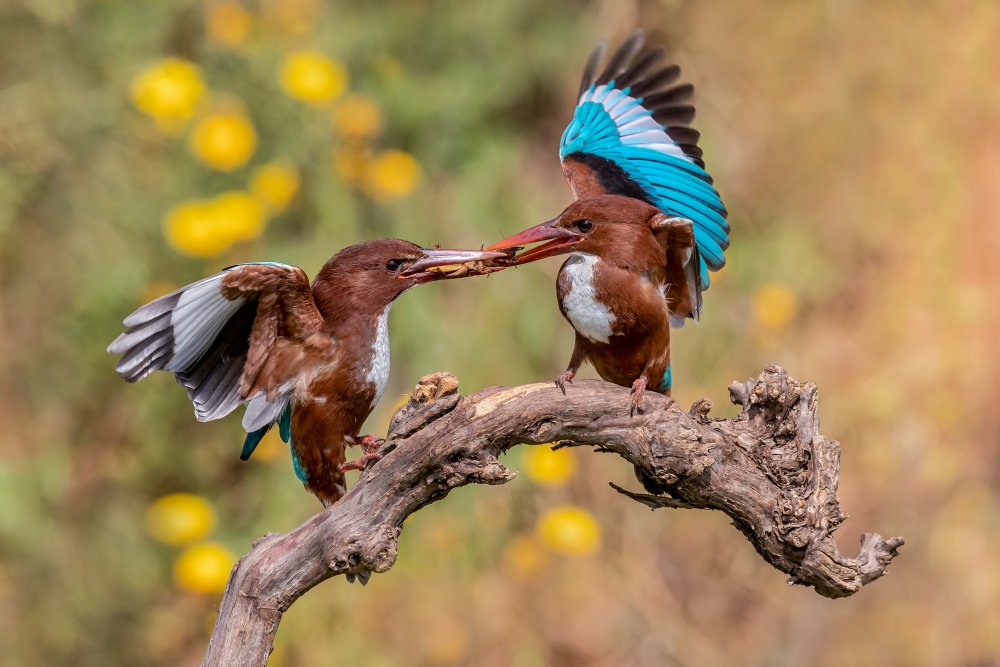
(312, 360)
(647, 225)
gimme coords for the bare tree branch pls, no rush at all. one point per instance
(769, 469)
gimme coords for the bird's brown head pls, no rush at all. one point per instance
(372, 274)
(615, 227)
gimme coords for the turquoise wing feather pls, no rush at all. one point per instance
(631, 127)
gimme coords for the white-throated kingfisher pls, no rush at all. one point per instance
(311, 359)
(646, 227)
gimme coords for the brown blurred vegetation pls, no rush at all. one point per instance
(857, 147)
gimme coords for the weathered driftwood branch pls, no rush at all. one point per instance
(769, 469)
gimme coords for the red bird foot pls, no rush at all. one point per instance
(638, 387)
(370, 444)
(563, 379)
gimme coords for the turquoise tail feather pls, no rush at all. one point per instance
(252, 440)
(284, 430)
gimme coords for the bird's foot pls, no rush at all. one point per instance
(361, 463)
(564, 378)
(369, 445)
(638, 387)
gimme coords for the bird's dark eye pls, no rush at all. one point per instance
(584, 226)
(394, 264)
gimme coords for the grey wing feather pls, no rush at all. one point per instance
(200, 335)
(260, 412)
(212, 383)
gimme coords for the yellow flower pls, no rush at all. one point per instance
(204, 568)
(228, 23)
(192, 229)
(239, 214)
(524, 556)
(393, 174)
(207, 228)
(547, 467)
(569, 530)
(357, 116)
(224, 141)
(312, 77)
(774, 305)
(168, 91)
(351, 163)
(275, 183)
(179, 518)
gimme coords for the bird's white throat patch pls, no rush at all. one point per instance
(591, 318)
(378, 373)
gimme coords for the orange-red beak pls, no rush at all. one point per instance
(560, 241)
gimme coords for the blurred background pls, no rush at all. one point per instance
(146, 144)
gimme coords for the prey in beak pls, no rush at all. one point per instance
(559, 241)
(439, 264)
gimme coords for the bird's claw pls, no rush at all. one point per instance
(360, 463)
(369, 445)
(638, 387)
(563, 379)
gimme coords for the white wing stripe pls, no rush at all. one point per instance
(640, 124)
(642, 131)
(197, 320)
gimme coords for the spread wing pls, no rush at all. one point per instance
(631, 135)
(224, 338)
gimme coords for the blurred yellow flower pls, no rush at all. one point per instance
(275, 183)
(312, 77)
(357, 116)
(168, 91)
(774, 305)
(351, 163)
(228, 23)
(207, 228)
(204, 568)
(524, 556)
(179, 518)
(191, 229)
(393, 174)
(549, 468)
(239, 214)
(569, 530)
(224, 141)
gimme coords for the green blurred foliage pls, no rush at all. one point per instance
(857, 148)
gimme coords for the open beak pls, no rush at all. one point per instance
(438, 264)
(560, 241)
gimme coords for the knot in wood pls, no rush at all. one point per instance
(434, 386)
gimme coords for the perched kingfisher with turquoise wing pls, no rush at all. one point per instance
(311, 359)
(647, 225)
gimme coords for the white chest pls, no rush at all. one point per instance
(591, 318)
(378, 372)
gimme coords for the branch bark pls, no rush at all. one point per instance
(769, 469)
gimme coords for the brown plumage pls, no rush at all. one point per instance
(313, 359)
(647, 225)
(615, 290)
